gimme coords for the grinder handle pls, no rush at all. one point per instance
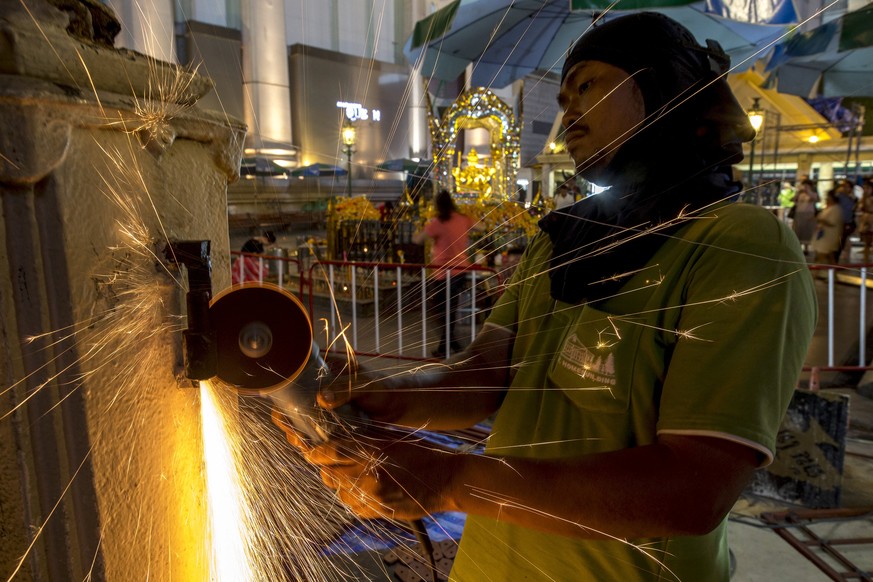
(298, 402)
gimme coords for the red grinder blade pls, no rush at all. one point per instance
(263, 336)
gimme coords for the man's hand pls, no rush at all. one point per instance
(404, 479)
(386, 475)
(389, 472)
(448, 395)
(369, 391)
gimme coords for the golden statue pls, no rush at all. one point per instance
(474, 177)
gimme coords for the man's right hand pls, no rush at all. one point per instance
(366, 390)
(448, 395)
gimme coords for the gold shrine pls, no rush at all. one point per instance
(491, 180)
(475, 177)
(485, 183)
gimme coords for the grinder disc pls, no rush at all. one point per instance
(263, 336)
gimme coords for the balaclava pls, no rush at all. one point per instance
(678, 161)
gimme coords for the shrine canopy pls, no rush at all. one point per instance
(474, 109)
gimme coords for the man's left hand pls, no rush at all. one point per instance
(383, 475)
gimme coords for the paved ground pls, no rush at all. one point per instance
(763, 556)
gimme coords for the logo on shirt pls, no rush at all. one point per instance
(597, 366)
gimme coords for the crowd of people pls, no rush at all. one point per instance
(824, 224)
(568, 193)
(824, 219)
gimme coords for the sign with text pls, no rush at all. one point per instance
(810, 451)
(356, 111)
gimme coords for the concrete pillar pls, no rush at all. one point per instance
(419, 131)
(100, 450)
(266, 95)
(804, 165)
(149, 27)
(825, 179)
(548, 182)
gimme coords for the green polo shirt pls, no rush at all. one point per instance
(708, 339)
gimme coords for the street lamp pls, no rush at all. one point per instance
(756, 119)
(349, 135)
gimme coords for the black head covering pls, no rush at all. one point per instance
(253, 245)
(678, 161)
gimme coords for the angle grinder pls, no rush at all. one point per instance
(264, 343)
(257, 338)
(265, 347)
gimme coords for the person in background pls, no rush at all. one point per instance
(247, 267)
(510, 262)
(268, 238)
(575, 191)
(563, 197)
(386, 211)
(786, 200)
(640, 360)
(450, 231)
(803, 212)
(828, 235)
(865, 221)
(848, 203)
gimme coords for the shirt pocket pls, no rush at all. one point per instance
(594, 363)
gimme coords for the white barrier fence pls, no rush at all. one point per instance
(843, 292)
(387, 308)
(384, 309)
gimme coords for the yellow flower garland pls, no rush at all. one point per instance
(358, 208)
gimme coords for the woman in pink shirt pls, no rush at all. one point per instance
(450, 231)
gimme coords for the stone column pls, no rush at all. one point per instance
(825, 180)
(804, 166)
(418, 103)
(266, 93)
(103, 157)
(548, 182)
(149, 27)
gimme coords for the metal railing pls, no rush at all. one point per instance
(843, 321)
(281, 271)
(385, 309)
(849, 275)
(390, 305)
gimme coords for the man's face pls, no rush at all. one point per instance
(602, 107)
